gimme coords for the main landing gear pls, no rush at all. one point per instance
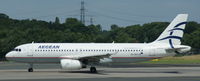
(93, 69)
(30, 69)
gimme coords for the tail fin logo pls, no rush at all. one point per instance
(170, 37)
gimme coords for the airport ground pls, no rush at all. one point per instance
(10, 71)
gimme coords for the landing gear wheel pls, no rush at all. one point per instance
(93, 69)
(30, 69)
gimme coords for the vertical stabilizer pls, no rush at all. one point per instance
(174, 32)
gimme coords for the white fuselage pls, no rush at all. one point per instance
(53, 52)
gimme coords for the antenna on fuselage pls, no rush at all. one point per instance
(113, 42)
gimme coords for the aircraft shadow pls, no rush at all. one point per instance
(174, 72)
(100, 72)
(103, 72)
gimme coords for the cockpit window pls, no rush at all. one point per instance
(17, 49)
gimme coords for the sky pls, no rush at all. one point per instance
(104, 12)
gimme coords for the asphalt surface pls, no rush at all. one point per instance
(134, 72)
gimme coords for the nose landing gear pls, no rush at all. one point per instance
(30, 69)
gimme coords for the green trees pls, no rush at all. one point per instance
(192, 39)
(15, 32)
(3, 16)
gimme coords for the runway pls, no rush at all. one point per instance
(52, 72)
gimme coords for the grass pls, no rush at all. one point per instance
(193, 59)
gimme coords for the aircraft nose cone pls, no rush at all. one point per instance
(9, 55)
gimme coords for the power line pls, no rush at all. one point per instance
(115, 18)
(56, 14)
(117, 11)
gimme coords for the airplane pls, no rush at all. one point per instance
(75, 56)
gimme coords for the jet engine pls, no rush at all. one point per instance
(70, 64)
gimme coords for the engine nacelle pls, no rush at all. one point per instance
(70, 64)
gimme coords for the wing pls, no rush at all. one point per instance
(89, 58)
